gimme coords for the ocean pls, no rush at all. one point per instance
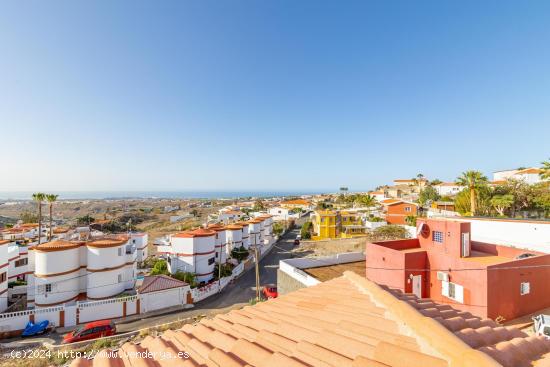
(98, 195)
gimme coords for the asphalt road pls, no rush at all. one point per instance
(235, 295)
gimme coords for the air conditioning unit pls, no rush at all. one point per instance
(442, 276)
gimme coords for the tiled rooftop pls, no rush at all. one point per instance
(348, 321)
(510, 346)
(154, 283)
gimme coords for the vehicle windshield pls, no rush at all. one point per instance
(78, 331)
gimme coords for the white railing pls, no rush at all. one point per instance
(84, 304)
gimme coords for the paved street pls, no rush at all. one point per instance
(234, 295)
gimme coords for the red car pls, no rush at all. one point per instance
(92, 330)
(270, 291)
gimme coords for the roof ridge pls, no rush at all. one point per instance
(431, 335)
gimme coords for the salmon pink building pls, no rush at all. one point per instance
(396, 211)
(444, 264)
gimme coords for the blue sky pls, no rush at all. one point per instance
(236, 95)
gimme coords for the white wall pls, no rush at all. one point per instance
(163, 299)
(105, 309)
(4, 269)
(530, 235)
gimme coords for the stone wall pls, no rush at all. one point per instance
(286, 283)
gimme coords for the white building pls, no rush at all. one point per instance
(255, 232)
(378, 195)
(226, 215)
(192, 251)
(234, 236)
(18, 261)
(280, 213)
(4, 274)
(221, 242)
(448, 188)
(140, 241)
(66, 271)
(528, 175)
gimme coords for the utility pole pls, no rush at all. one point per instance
(220, 269)
(257, 273)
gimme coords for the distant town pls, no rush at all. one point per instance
(472, 254)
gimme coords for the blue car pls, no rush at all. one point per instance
(35, 329)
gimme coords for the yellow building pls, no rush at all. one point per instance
(337, 224)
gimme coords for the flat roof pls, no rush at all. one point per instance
(328, 272)
(485, 258)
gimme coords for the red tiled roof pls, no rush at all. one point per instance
(58, 245)
(528, 171)
(348, 321)
(156, 283)
(108, 241)
(232, 212)
(201, 232)
(296, 202)
(216, 227)
(235, 226)
(510, 346)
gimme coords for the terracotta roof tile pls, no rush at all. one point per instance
(57, 245)
(347, 321)
(200, 232)
(155, 283)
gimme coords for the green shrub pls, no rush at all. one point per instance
(239, 253)
(159, 268)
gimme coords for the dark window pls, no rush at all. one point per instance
(437, 236)
(3, 277)
(48, 288)
(212, 260)
(87, 332)
(21, 262)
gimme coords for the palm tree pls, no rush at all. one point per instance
(545, 170)
(473, 180)
(39, 197)
(368, 201)
(51, 198)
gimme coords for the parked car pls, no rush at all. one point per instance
(541, 325)
(92, 330)
(270, 291)
(296, 242)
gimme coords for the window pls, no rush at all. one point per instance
(3, 277)
(407, 208)
(465, 244)
(134, 240)
(120, 251)
(437, 236)
(212, 260)
(21, 262)
(453, 291)
(120, 278)
(48, 288)
(525, 288)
